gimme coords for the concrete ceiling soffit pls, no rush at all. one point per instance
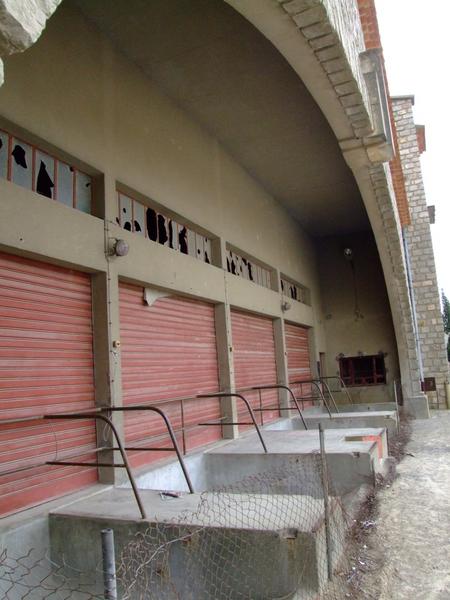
(333, 32)
(21, 24)
(345, 81)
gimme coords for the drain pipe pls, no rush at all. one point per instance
(413, 304)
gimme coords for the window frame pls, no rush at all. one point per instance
(352, 378)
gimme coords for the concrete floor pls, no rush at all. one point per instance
(408, 553)
(306, 442)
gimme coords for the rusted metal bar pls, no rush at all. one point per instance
(343, 386)
(281, 386)
(162, 414)
(221, 395)
(93, 415)
(330, 394)
(314, 382)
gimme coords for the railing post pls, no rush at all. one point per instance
(326, 501)
(109, 564)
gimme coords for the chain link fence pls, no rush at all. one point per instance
(268, 536)
(34, 576)
(273, 535)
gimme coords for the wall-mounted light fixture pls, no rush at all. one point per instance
(118, 247)
(285, 306)
(348, 253)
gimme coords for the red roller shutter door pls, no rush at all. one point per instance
(254, 362)
(46, 366)
(298, 358)
(168, 351)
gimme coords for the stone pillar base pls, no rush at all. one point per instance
(417, 407)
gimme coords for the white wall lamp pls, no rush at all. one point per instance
(118, 247)
(285, 306)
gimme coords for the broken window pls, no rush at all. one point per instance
(158, 227)
(294, 291)
(34, 169)
(363, 370)
(248, 269)
(21, 163)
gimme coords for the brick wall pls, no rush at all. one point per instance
(418, 235)
(372, 39)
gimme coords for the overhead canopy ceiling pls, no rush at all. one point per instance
(231, 79)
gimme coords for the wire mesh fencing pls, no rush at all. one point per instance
(280, 533)
(268, 536)
(34, 576)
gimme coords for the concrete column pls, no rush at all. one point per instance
(225, 346)
(375, 187)
(226, 368)
(281, 361)
(105, 306)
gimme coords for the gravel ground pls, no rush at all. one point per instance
(405, 533)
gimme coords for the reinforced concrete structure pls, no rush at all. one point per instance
(200, 197)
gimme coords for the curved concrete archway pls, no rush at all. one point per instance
(305, 34)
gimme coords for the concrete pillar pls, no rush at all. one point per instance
(225, 346)
(281, 362)
(226, 368)
(375, 187)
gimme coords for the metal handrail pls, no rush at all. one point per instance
(314, 382)
(220, 396)
(126, 464)
(175, 448)
(327, 387)
(342, 383)
(96, 414)
(277, 386)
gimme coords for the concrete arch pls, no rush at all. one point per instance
(308, 39)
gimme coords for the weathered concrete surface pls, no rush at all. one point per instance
(22, 22)
(290, 530)
(347, 420)
(411, 537)
(354, 456)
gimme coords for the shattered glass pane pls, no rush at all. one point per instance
(44, 176)
(3, 154)
(191, 241)
(174, 229)
(64, 184)
(126, 214)
(83, 192)
(21, 163)
(199, 245)
(207, 251)
(138, 217)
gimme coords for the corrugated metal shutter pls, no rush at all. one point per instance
(254, 362)
(298, 358)
(168, 351)
(46, 366)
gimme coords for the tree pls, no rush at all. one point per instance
(446, 320)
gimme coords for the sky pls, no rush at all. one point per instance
(414, 35)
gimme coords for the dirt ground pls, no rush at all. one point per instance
(405, 533)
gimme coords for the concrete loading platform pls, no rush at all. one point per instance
(266, 552)
(265, 511)
(354, 458)
(342, 420)
(352, 408)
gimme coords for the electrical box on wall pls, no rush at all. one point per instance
(429, 384)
